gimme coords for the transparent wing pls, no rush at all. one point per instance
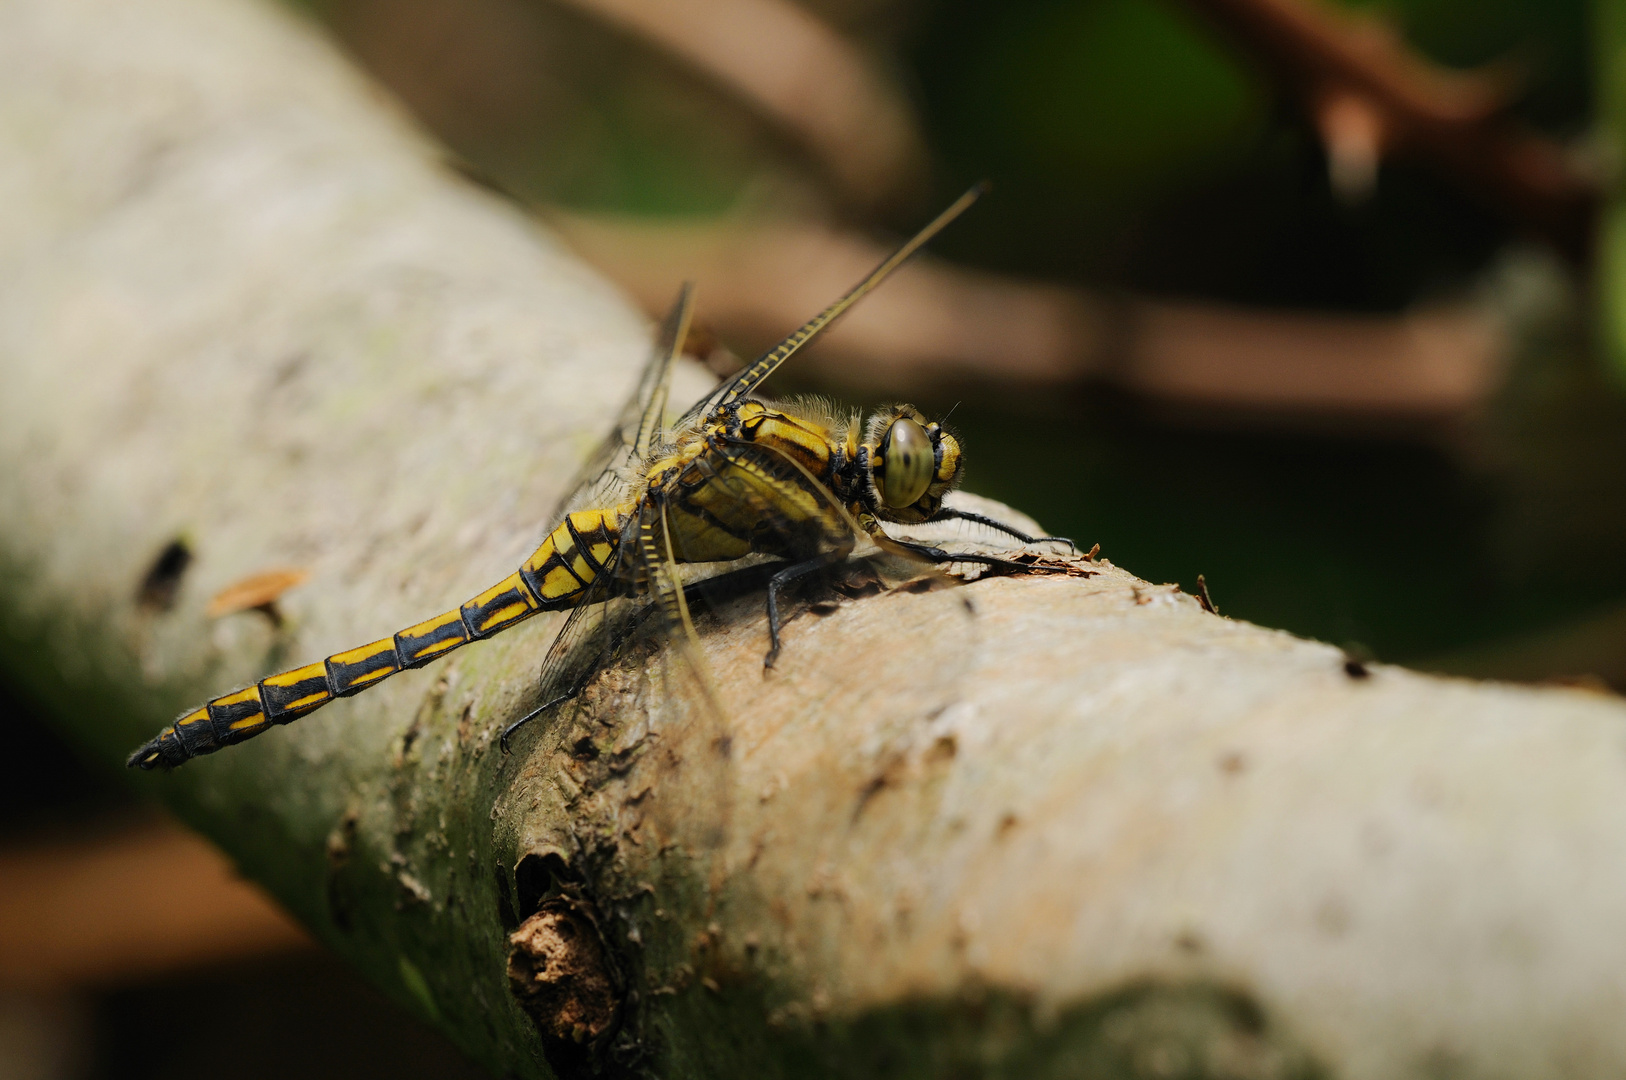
(709, 735)
(639, 424)
(564, 670)
(666, 587)
(612, 618)
(656, 384)
(571, 660)
(751, 377)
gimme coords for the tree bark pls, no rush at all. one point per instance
(1058, 824)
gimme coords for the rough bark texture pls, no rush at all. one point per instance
(1055, 825)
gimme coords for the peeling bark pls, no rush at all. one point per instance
(561, 973)
(1064, 823)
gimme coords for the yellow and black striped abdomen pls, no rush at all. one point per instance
(555, 576)
(574, 554)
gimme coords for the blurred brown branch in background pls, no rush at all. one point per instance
(810, 85)
(802, 76)
(938, 325)
(1371, 95)
(102, 907)
(939, 322)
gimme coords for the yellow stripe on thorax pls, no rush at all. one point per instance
(802, 440)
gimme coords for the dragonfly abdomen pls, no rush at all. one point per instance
(555, 576)
(560, 570)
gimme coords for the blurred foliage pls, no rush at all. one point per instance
(1129, 145)
(1132, 146)
(1549, 42)
(558, 107)
(1115, 102)
(1611, 60)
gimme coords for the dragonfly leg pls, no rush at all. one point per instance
(945, 514)
(749, 578)
(938, 555)
(611, 648)
(777, 583)
(508, 731)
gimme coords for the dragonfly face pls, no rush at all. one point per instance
(735, 476)
(906, 465)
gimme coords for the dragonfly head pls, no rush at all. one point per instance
(909, 464)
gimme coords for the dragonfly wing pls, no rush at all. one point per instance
(666, 588)
(639, 423)
(749, 378)
(594, 616)
(656, 385)
(709, 735)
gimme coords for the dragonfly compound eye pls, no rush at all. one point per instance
(906, 463)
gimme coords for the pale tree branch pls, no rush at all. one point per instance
(1058, 823)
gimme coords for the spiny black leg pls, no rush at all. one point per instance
(783, 578)
(945, 514)
(532, 715)
(713, 591)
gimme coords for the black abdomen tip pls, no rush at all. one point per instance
(159, 753)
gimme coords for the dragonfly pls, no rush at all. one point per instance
(735, 476)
